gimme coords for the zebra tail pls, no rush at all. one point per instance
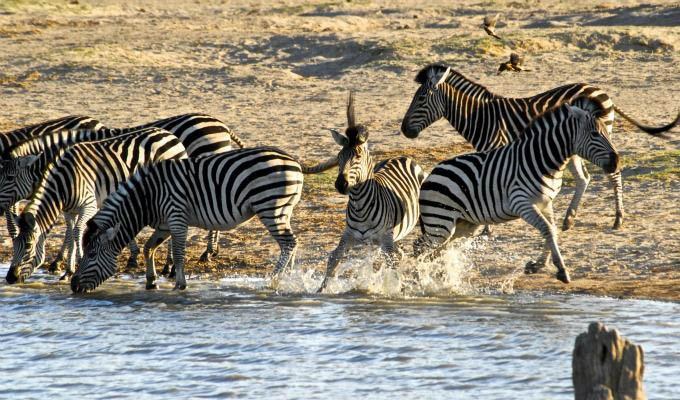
(652, 130)
(236, 139)
(321, 167)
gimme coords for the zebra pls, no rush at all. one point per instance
(220, 191)
(11, 138)
(488, 120)
(75, 182)
(517, 180)
(383, 197)
(201, 134)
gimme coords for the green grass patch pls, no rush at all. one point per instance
(661, 166)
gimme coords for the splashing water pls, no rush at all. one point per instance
(367, 272)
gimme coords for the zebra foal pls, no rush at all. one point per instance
(518, 180)
(383, 197)
(487, 120)
(212, 192)
(75, 182)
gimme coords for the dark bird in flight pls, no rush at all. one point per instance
(490, 25)
(515, 64)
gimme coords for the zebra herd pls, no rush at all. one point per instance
(183, 171)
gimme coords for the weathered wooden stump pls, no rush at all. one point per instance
(606, 366)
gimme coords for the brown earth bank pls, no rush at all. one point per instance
(278, 72)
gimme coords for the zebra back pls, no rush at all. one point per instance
(10, 139)
(201, 134)
(97, 168)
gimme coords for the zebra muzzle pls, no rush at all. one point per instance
(614, 164)
(341, 184)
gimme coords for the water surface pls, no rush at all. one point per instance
(237, 339)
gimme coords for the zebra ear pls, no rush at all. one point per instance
(339, 137)
(577, 112)
(27, 161)
(112, 231)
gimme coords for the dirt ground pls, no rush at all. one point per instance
(278, 72)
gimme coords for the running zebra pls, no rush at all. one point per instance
(75, 182)
(201, 134)
(10, 139)
(488, 121)
(518, 180)
(383, 197)
(212, 192)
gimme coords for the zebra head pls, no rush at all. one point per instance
(355, 164)
(25, 258)
(99, 257)
(16, 181)
(592, 141)
(427, 105)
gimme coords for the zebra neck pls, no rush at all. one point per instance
(466, 105)
(362, 196)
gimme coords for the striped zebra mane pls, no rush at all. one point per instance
(439, 68)
(558, 113)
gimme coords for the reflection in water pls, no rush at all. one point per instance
(238, 338)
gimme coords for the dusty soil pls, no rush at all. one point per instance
(278, 72)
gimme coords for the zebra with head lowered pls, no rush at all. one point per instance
(212, 192)
(12, 138)
(75, 182)
(518, 180)
(201, 134)
(383, 197)
(488, 121)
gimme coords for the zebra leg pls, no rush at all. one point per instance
(346, 240)
(582, 178)
(169, 267)
(617, 184)
(156, 239)
(213, 249)
(391, 252)
(11, 214)
(532, 215)
(178, 230)
(85, 213)
(66, 246)
(134, 252)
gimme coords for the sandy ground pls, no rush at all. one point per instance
(278, 72)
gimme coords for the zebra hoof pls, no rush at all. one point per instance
(563, 276)
(131, 265)
(618, 224)
(568, 223)
(151, 286)
(66, 276)
(179, 286)
(531, 267)
(55, 266)
(207, 256)
(166, 269)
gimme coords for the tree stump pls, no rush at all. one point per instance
(606, 366)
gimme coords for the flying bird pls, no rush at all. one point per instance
(515, 64)
(490, 25)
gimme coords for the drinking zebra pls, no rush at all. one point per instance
(201, 133)
(10, 139)
(488, 120)
(383, 197)
(212, 192)
(518, 180)
(75, 182)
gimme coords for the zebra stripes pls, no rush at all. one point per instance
(212, 192)
(10, 139)
(383, 198)
(75, 182)
(518, 180)
(201, 133)
(488, 121)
